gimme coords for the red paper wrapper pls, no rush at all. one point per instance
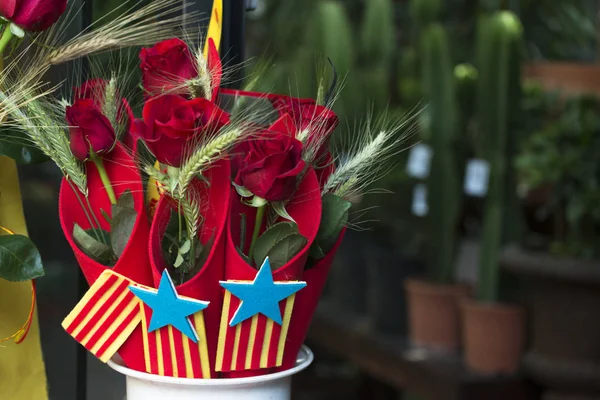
(306, 304)
(134, 262)
(261, 346)
(214, 200)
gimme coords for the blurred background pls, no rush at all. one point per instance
(475, 273)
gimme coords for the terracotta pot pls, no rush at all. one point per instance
(493, 337)
(568, 77)
(433, 314)
(564, 297)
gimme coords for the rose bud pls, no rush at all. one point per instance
(89, 129)
(174, 125)
(32, 15)
(94, 89)
(166, 67)
(269, 165)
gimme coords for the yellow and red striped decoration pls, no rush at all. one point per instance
(109, 312)
(168, 352)
(252, 344)
(106, 316)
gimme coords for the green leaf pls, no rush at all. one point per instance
(242, 191)
(17, 31)
(316, 252)
(90, 245)
(178, 261)
(185, 247)
(106, 216)
(123, 220)
(279, 208)
(286, 249)
(15, 144)
(333, 219)
(269, 239)
(19, 259)
(257, 202)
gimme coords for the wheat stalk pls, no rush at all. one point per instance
(205, 155)
(203, 83)
(367, 160)
(191, 213)
(146, 26)
(356, 163)
(48, 136)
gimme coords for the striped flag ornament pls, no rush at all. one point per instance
(254, 321)
(109, 312)
(106, 315)
(255, 343)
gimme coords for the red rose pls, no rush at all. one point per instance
(89, 129)
(172, 124)
(269, 165)
(313, 122)
(95, 89)
(166, 66)
(32, 15)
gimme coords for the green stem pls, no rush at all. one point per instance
(104, 177)
(179, 224)
(260, 214)
(5, 39)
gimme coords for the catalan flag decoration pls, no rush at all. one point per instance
(173, 330)
(106, 315)
(174, 334)
(254, 322)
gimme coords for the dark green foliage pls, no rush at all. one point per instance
(562, 153)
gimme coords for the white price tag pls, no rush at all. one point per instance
(419, 204)
(419, 161)
(477, 178)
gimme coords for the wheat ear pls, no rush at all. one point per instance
(205, 155)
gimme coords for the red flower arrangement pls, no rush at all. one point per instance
(197, 204)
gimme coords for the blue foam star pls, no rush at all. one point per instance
(262, 295)
(168, 308)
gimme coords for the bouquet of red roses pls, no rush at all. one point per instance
(206, 226)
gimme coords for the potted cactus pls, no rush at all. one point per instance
(433, 303)
(494, 332)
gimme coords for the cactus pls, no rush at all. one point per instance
(377, 40)
(499, 94)
(444, 191)
(425, 11)
(466, 86)
(332, 35)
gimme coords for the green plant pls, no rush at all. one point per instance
(562, 155)
(378, 32)
(499, 92)
(426, 11)
(443, 183)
